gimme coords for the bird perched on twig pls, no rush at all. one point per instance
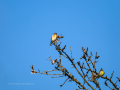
(53, 38)
(32, 71)
(101, 73)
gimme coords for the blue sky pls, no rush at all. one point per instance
(26, 27)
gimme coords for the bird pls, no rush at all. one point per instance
(53, 38)
(32, 71)
(101, 72)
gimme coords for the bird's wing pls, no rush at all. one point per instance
(51, 38)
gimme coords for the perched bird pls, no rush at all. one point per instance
(32, 71)
(53, 38)
(101, 72)
(52, 61)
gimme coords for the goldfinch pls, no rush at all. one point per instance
(52, 61)
(101, 72)
(53, 38)
(32, 71)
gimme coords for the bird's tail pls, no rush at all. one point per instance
(51, 44)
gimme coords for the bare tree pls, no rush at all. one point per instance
(94, 75)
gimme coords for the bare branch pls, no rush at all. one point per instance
(64, 82)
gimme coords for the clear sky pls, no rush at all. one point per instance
(26, 27)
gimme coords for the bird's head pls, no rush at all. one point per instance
(55, 33)
(101, 69)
